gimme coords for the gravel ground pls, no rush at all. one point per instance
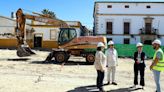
(31, 75)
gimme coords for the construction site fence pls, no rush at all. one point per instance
(127, 50)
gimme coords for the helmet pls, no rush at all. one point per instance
(157, 42)
(139, 44)
(100, 44)
(110, 43)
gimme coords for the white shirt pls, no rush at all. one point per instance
(112, 57)
(100, 61)
(139, 58)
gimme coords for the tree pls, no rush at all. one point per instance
(49, 13)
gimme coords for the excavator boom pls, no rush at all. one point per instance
(23, 49)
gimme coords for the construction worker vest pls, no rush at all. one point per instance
(160, 65)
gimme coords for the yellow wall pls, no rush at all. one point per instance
(13, 43)
(49, 44)
(8, 42)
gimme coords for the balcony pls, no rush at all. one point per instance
(151, 31)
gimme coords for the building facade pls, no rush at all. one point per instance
(46, 36)
(8, 32)
(129, 22)
(38, 34)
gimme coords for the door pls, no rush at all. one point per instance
(148, 42)
(38, 40)
(148, 28)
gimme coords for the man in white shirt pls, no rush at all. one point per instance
(112, 58)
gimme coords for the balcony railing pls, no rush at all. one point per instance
(152, 31)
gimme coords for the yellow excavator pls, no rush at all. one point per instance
(23, 49)
(68, 41)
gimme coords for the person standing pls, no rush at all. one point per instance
(112, 58)
(139, 65)
(100, 63)
(158, 63)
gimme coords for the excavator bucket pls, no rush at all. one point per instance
(23, 51)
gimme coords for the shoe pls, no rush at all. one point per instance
(44, 62)
(134, 86)
(108, 83)
(114, 83)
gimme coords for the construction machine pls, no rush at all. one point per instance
(69, 43)
(23, 48)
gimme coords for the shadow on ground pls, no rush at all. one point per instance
(129, 89)
(15, 59)
(69, 63)
(93, 88)
(90, 88)
(18, 59)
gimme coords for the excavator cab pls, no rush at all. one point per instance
(66, 35)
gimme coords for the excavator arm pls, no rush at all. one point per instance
(23, 49)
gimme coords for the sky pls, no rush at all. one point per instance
(68, 10)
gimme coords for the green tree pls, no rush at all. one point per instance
(49, 13)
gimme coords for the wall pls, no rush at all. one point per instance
(136, 22)
(134, 8)
(135, 14)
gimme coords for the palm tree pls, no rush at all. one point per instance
(49, 13)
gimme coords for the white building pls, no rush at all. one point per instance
(8, 32)
(129, 22)
(38, 34)
(46, 36)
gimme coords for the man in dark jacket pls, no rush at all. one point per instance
(139, 65)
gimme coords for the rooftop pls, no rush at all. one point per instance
(131, 1)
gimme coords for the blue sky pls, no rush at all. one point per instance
(70, 10)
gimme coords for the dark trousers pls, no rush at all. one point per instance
(100, 78)
(139, 68)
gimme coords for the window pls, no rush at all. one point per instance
(72, 34)
(126, 40)
(66, 35)
(54, 34)
(126, 6)
(126, 27)
(109, 27)
(109, 6)
(148, 6)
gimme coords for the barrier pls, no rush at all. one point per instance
(127, 50)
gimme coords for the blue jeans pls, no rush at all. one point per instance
(157, 80)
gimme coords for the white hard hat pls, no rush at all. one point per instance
(139, 44)
(157, 42)
(110, 43)
(100, 44)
